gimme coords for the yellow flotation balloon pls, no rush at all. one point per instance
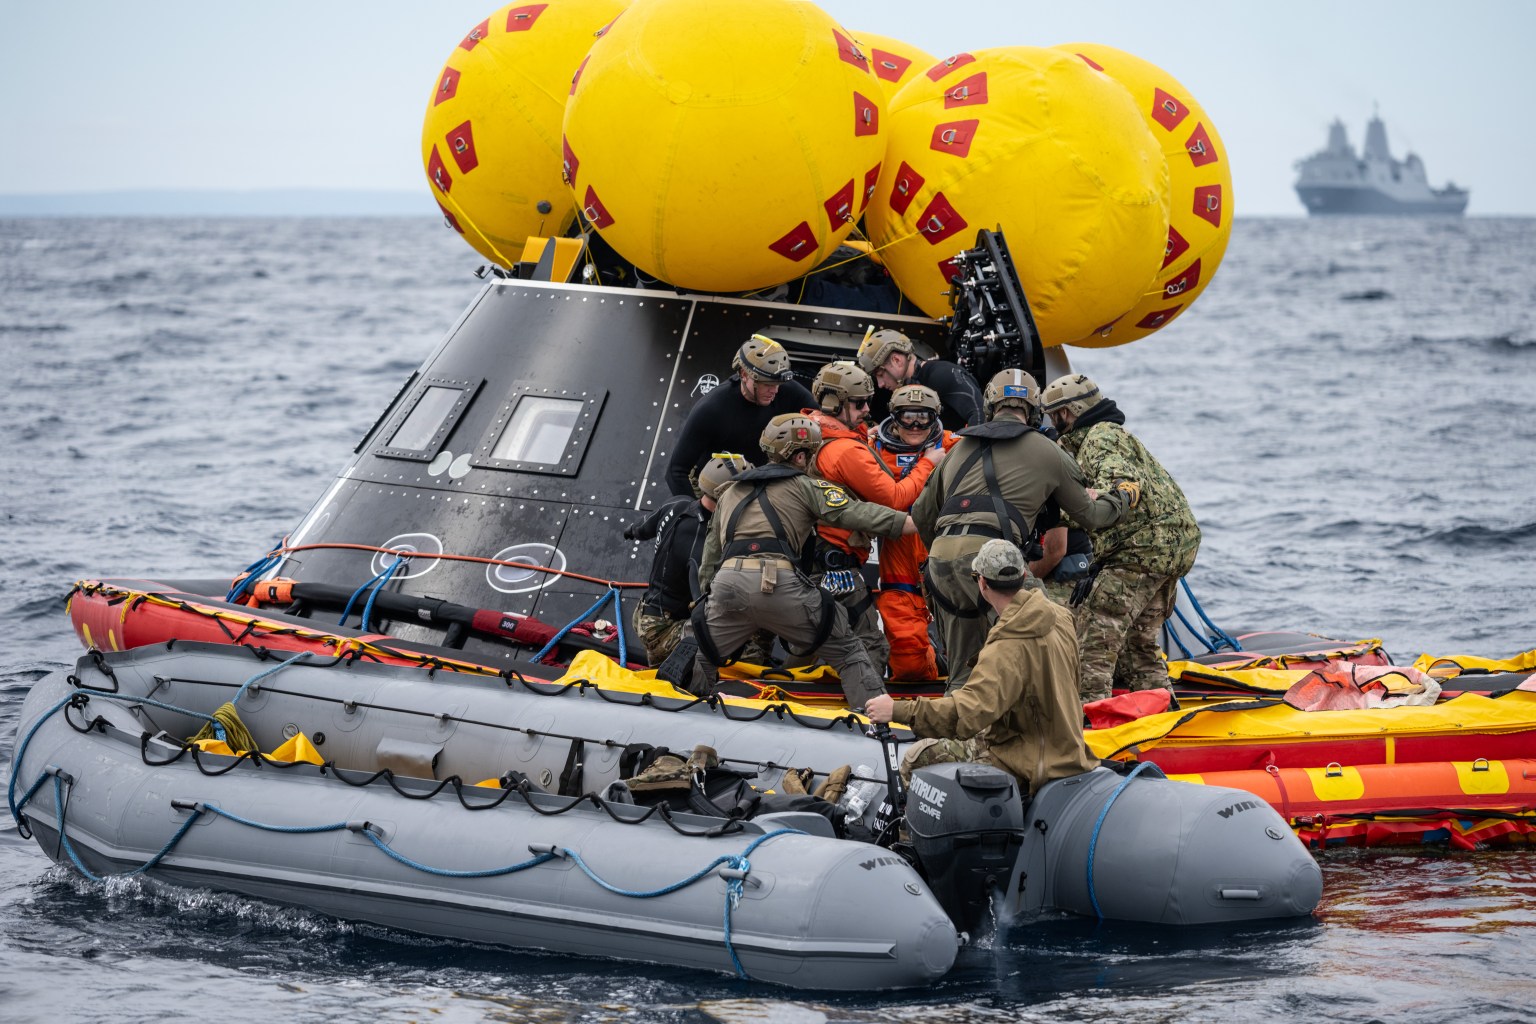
(491, 139)
(1199, 188)
(893, 62)
(724, 145)
(1035, 141)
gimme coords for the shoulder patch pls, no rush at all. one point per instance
(833, 495)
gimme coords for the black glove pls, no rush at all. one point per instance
(629, 533)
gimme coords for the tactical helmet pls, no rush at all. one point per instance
(763, 358)
(720, 470)
(878, 346)
(839, 381)
(915, 396)
(788, 433)
(1075, 393)
(1012, 387)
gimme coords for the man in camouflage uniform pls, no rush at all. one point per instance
(753, 572)
(992, 485)
(679, 528)
(1138, 560)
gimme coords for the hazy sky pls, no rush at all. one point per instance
(280, 94)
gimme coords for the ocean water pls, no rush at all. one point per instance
(1348, 407)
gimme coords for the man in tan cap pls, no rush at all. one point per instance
(1019, 711)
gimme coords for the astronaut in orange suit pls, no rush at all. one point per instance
(843, 391)
(901, 442)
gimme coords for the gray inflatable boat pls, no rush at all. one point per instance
(469, 808)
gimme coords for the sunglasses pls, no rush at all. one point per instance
(859, 403)
(922, 418)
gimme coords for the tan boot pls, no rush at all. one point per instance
(666, 772)
(795, 781)
(832, 787)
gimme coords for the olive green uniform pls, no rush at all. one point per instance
(1019, 709)
(1140, 560)
(751, 571)
(957, 513)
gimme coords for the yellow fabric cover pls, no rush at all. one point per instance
(1238, 723)
(1271, 680)
(608, 674)
(1436, 666)
(297, 749)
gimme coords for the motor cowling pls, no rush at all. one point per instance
(966, 823)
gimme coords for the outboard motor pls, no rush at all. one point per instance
(967, 824)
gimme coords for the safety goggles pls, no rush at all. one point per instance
(914, 418)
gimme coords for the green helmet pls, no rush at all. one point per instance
(721, 469)
(839, 381)
(763, 358)
(1015, 388)
(915, 396)
(1075, 393)
(878, 346)
(789, 433)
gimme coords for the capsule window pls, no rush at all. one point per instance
(542, 430)
(429, 417)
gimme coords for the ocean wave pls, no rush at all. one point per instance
(1476, 537)
(1368, 295)
(34, 328)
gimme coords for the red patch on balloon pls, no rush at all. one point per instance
(798, 244)
(1208, 203)
(1184, 282)
(438, 172)
(939, 220)
(1091, 62)
(968, 93)
(1167, 110)
(949, 64)
(904, 188)
(569, 163)
(1201, 151)
(849, 52)
(461, 143)
(954, 137)
(1152, 321)
(949, 269)
(595, 211)
(840, 206)
(521, 19)
(476, 34)
(577, 76)
(866, 115)
(453, 221)
(871, 177)
(447, 86)
(1175, 248)
(888, 66)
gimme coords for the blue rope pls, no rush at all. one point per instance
(1094, 842)
(346, 612)
(1193, 631)
(449, 873)
(1171, 634)
(58, 803)
(389, 573)
(20, 756)
(612, 594)
(258, 677)
(253, 572)
(1222, 637)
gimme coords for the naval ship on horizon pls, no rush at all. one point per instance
(1335, 180)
